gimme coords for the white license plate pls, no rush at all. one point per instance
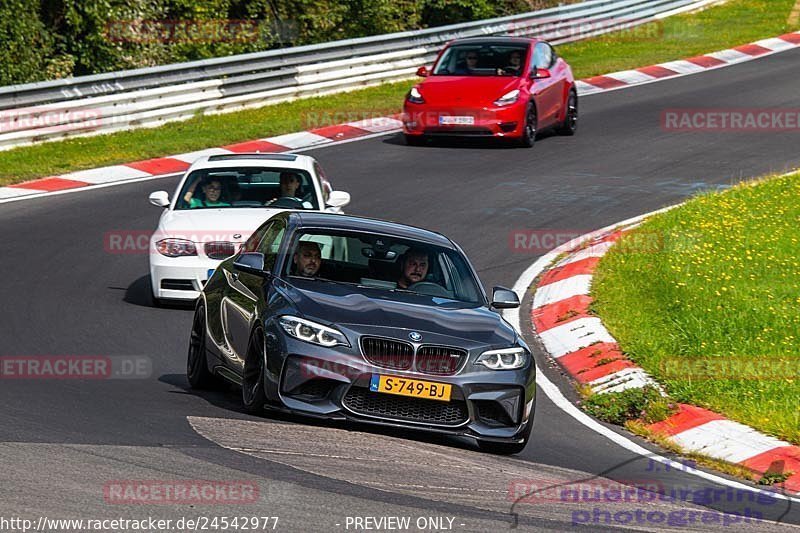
(456, 121)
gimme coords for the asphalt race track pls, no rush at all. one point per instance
(62, 441)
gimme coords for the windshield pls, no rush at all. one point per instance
(482, 60)
(383, 263)
(214, 188)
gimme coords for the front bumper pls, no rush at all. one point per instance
(492, 121)
(485, 404)
(179, 278)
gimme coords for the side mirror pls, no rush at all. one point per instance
(159, 198)
(540, 74)
(338, 199)
(503, 298)
(423, 72)
(250, 262)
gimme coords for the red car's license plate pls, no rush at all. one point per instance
(457, 121)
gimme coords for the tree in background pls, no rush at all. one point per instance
(25, 44)
(48, 39)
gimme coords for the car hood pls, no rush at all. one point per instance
(201, 225)
(366, 310)
(466, 90)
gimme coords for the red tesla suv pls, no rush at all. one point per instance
(493, 87)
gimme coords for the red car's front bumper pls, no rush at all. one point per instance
(425, 119)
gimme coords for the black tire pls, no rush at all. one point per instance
(530, 128)
(507, 448)
(414, 140)
(570, 123)
(197, 372)
(253, 395)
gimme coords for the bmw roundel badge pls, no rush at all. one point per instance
(414, 336)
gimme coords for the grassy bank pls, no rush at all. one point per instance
(736, 22)
(714, 312)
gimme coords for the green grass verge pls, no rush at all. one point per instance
(734, 23)
(713, 311)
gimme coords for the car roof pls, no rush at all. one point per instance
(493, 40)
(255, 159)
(322, 220)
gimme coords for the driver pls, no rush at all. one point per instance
(514, 63)
(289, 185)
(414, 267)
(307, 259)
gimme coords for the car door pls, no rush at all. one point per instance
(547, 91)
(238, 309)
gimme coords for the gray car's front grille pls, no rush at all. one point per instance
(389, 406)
(388, 353)
(220, 249)
(399, 355)
(439, 360)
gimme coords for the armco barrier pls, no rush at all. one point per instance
(146, 97)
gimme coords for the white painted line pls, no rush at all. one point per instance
(559, 400)
(561, 290)
(191, 157)
(730, 56)
(377, 124)
(106, 174)
(572, 336)
(628, 378)
(302, 139)
(593, 250)
(12, 192)
(683, 67)
(727, 440)
(775, 44)
(586, 88)
(631, 77)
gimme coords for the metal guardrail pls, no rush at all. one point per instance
(104, 103)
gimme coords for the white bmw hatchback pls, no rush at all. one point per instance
(219, 202)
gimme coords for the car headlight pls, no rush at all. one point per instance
(308, 331)
(415, 97)
(508, 98)
(505, 359)
(176, 247)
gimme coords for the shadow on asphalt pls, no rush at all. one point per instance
(227, 397)
(490, 143)
(139, 293)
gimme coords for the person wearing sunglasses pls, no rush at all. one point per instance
(470, 64)
(212, 192)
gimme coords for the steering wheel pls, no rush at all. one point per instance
(286, 202)
(429, 289)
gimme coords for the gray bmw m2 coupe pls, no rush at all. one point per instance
(352, 318)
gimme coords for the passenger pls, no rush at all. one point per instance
(307, 259)
(413, 267)
(212, 192)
